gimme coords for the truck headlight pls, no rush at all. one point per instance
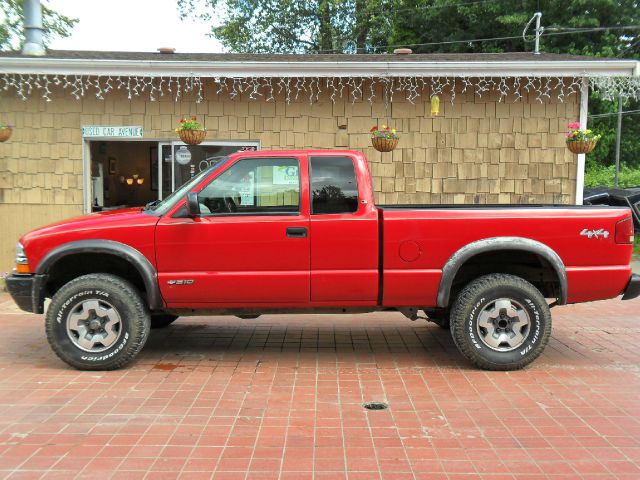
(22, 263)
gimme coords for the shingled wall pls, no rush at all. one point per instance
(476, 151)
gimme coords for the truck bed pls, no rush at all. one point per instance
(418, 240)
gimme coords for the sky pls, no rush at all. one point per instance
(132, 26)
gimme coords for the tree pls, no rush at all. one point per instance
(434, 21)
(12, 21)
(276, 26)
(291, 26)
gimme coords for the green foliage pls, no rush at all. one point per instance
(426, 21)
(577, 134)
(277, 26)
(189, 124)
(597, 175)
(384, 132)
(292, 26)
(604, 152)
(12, 21)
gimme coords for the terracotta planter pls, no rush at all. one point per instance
(192, 137)
(384, 144)
(5, 133)
(581, 146)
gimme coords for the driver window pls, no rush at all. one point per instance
(254, 186)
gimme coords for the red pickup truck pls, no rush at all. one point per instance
(294, 231)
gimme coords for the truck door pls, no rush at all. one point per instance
(249, 247)
(344, 232)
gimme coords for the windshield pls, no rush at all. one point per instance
(163, 206)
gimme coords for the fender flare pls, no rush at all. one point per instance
(459, 258)
(141, 263)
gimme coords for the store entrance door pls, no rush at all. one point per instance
(178, 162)
(133, 173)
(120, 173)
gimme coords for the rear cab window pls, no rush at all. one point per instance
(334, 187)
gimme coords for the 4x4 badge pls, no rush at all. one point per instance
(595, 233)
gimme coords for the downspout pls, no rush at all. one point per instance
(33, 31)
(584, 107)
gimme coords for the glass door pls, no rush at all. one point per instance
(179, 162)
(165, 160)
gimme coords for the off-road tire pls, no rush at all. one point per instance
(123, 297)
(469, 305)
(162, 320)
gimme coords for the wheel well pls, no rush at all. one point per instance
(77, 264)
(527, 265)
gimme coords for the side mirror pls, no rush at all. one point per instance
(193, 207)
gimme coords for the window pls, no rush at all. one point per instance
(334, 188)
(254, 186)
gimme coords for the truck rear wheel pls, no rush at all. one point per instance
(97, 322)
(500, 322)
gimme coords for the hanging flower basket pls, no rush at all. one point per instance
(584, 146)
(384, 144)
(5, 133)
(384, 139)
(191, 131)
(192, 137)
(581, 141)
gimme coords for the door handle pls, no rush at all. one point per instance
(297, 232)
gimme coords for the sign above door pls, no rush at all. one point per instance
(124, 131)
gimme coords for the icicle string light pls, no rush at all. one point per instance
(310, 89)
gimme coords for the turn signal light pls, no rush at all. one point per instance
(23, 268)
(624, 231)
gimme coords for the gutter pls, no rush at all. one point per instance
(166, 68)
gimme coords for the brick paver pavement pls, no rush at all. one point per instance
(281, 397)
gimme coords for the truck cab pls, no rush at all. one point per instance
(299, 229)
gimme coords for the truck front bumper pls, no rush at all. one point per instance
(633, 287)
(27, 291)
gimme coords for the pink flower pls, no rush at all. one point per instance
(574, 125)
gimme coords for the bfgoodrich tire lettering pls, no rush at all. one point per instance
(121, 319)
(500, 322)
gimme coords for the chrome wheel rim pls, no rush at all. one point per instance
(503, 324)
(94, 325)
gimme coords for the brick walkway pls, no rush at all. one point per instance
(281, 397)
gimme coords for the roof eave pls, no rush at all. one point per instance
(166, 68)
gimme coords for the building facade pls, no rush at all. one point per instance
(96, 131)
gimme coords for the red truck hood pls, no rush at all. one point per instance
(103, 225)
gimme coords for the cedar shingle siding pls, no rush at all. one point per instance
(476, 151)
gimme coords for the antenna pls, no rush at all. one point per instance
(539, 29)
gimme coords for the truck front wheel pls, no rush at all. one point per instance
(500, 322)
(97, 322)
